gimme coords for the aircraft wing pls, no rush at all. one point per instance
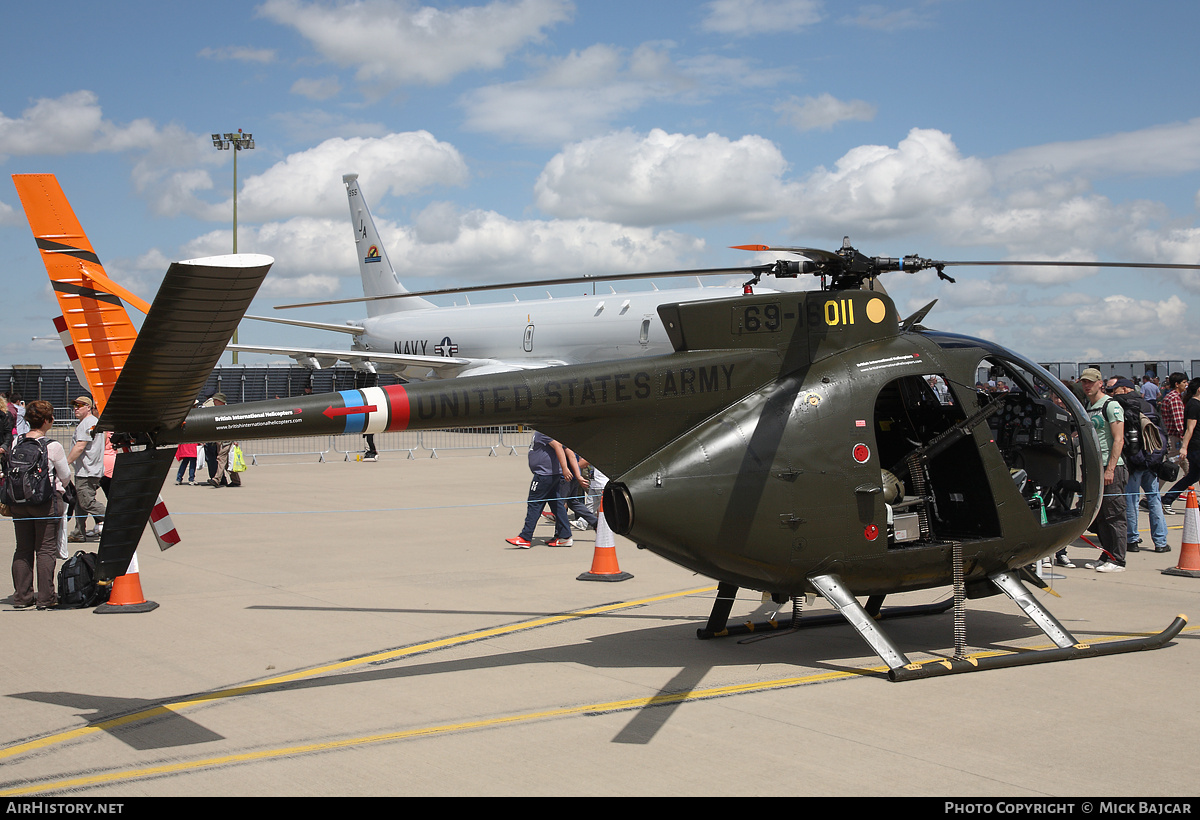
(444, 367)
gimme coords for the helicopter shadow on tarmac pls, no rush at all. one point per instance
(668, 646)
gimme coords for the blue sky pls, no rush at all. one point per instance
(521, 139)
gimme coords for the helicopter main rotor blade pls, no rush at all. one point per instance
(848, 266)
(755, 270)
(1049, 264)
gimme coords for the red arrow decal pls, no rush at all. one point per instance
(347, 411)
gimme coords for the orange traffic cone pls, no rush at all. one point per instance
(1189, 551)
(126, 594)
(604, 559)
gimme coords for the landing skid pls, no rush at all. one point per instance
(900, 668)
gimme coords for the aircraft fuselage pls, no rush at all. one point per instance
(566, 330)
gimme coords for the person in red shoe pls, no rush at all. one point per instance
(548, 463)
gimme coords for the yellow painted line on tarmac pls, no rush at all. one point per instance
(71, 734)
(427, 731)
(486, 723)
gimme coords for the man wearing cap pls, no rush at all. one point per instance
(1108, 419)
(1139, 480)
(87, 454)
(222, 476)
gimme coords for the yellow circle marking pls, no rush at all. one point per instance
(876, 310)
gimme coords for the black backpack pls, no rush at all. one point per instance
(1145, 438)
(28, 480)
(77, 587)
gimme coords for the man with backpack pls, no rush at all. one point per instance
(1108, 419)
(1140, 453)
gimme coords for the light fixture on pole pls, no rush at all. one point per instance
(235, 142)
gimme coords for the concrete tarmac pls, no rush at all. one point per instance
(352, 628)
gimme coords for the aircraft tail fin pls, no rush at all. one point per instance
(378, 276)
(93, 306)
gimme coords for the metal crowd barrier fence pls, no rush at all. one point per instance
(484, 438)
(400, 442)
(512, 440)
(317, 446)
(493, 440)
(514, 437)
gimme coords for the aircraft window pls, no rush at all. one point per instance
(940, 388)
(1036, 433)
(644, 336)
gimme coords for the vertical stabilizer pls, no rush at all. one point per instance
(378, 276)
(93, 306)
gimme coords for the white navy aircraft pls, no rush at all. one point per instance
(418, 340)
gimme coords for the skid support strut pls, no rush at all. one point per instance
(1011, 586)
(1067, 648)
(900, 668)
(834, 591)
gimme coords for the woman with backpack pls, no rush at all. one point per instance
(1190, 444)
(37, 525)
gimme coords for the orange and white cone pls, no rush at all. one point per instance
(126, 594)
(604, 559)
(1189, 550)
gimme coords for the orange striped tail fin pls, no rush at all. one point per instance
(91, 303)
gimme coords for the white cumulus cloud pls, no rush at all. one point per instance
(583, 93)
(573, 96)
(660, 178)
(72, 123)
(484, 246)
(309, 183)
(887, 191)
(393, 43)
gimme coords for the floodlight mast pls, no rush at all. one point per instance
(235, 142)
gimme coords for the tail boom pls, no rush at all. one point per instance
(593, 407)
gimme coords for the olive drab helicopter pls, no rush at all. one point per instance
(794, 443)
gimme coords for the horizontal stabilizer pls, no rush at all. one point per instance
(196, 311)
